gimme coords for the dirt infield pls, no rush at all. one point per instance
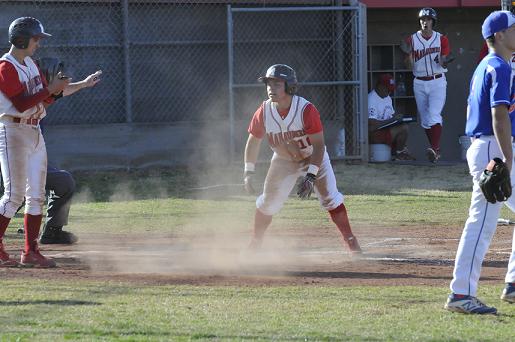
(405, 255)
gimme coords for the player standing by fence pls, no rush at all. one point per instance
(22, 147)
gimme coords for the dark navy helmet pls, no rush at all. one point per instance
(24, 28)
(428, 12)
(282, 72)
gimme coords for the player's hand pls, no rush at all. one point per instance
(58, 84)
(405, 46)
(92, 79)
(249, 182)
(306, 186)
(447, 59)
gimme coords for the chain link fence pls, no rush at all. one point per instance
(323, 45)
(170, 61)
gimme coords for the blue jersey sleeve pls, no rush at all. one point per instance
(499, 76)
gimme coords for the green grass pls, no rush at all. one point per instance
(155, 201)
(124, 312)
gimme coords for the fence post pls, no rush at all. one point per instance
(362, 112)
(230, 56)
(126, 60)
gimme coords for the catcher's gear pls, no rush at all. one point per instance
(24, 28)
(495, 182)
(305, 188)
(282, 72)
(428, 12)
(248, 182)
(405, 47)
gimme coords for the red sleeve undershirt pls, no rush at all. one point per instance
(311, 116)
(445, 46)
(12, 87)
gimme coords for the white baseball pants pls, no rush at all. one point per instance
(23, 160)
(481, 223)
(430, 97)
(282, 177)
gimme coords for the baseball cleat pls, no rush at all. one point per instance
(58, 236)
(468, 305)
(403, 155)
(432, 155)
(353, 244)
(5, 260)
(36, 259)
(508, 294)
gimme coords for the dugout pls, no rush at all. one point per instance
(389, 21)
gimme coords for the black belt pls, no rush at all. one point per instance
(429, 78)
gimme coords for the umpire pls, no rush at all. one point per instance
(60, 187)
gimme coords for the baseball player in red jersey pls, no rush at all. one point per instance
(24, 95)
(292, 126)
(429, 54)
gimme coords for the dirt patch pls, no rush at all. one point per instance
(405, 255)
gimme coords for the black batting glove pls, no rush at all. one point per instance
(305, 188)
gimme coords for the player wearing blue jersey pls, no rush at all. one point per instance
(491, 126)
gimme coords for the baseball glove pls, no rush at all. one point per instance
(51, 68)
(495, 181)
(305, 188)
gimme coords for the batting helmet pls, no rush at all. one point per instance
(24, 28)
(282, 72)
(428, 12)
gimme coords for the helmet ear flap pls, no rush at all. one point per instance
(20, 42)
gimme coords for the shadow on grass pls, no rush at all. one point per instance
(63, 302)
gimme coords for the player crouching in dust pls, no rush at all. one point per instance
(294, 131)
(381, 113)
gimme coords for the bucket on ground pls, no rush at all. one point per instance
(465, 143)
(380, 153)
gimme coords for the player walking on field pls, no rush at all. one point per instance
(491, 125)
(292, 126)
(428, 53)
(23, 91)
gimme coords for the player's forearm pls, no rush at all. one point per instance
(252, 149)
(317, 140)
(74, 87)
(502, 129)
(23, 102)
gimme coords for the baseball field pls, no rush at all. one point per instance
(162, 257)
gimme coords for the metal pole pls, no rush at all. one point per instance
(230, 67)
(363, 89)
(340, 75)
(126, 59)
(506, 5)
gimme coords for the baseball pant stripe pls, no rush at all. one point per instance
(480, 230)
(7, 174)
(475, 248)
